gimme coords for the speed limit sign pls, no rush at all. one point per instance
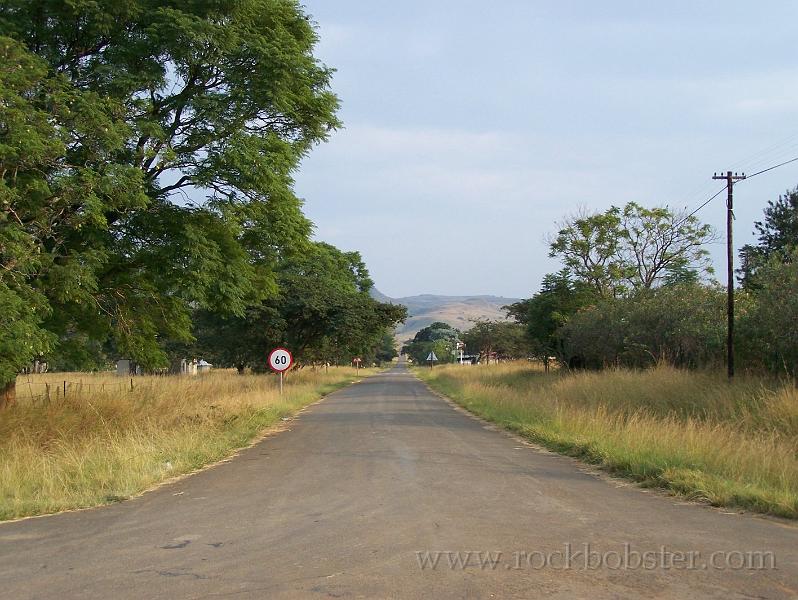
(280, 360)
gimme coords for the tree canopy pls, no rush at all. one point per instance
(682, 324)
(632, 248)
(634, 291)
(548, 310)
(323, 313)
(501, 340)
(777, 237)
(55, 185)
(768, 328)
(146, 154)
(438, 337)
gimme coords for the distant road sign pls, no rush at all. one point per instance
(357, 360)
(432, 357)
(280, 360)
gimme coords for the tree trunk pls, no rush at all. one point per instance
(8, 393)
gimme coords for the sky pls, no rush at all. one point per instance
(471, 127)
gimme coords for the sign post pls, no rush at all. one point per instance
(357, 362)
(280, 360)
(432, 358)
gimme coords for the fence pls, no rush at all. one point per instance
(50, 387)
(53, 390)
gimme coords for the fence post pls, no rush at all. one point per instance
(65, 390)
(131, 384)
(47, 391)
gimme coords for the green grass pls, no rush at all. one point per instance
(692, 433)
(104, 443)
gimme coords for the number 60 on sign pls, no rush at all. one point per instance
(280, 360)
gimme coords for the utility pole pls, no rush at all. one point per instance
(730, 179)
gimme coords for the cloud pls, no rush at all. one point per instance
(470, 131)
(456, 167)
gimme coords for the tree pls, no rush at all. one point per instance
(548, 310)
(438, 337)
(238, 341)
(325, 303)
(660, 245)
(633, 248)
(681, 324)
(163, 99)
(500, 339)
(777, 235)
(589, 245)
(323, 313)
(769, 324)
(386, 350)
(51, 196)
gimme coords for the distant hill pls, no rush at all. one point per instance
(457, 311)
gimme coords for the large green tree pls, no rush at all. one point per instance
(548, 310)
(777, 237)
(438, 337)
(632, 248)
(589, 244)
(176, 127)
(768, 331)
(682, 324)
(55, 189)
(322, 313)
(386, 349)
(329, 313)
(660, 245)
(503, 340)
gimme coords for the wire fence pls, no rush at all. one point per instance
(46, 391)
(45, 388)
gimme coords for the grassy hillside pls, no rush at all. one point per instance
(457, 311)
(689, 432)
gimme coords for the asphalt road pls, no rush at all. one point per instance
(372, 482)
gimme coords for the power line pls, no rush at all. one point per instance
(731, 180)
(715, 195)
(721, 190)
(768, 154)
(786, 162)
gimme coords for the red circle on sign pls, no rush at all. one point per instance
(280, 359)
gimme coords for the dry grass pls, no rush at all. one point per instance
(104, 442)
(690, 432)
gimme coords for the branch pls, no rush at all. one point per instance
(175, 186)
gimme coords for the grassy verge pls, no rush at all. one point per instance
(691, 433)
(104, 442)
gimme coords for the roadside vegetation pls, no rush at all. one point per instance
(146, 184)
(635, 327)
(635, 290)
(690, 432)
(104, 442)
